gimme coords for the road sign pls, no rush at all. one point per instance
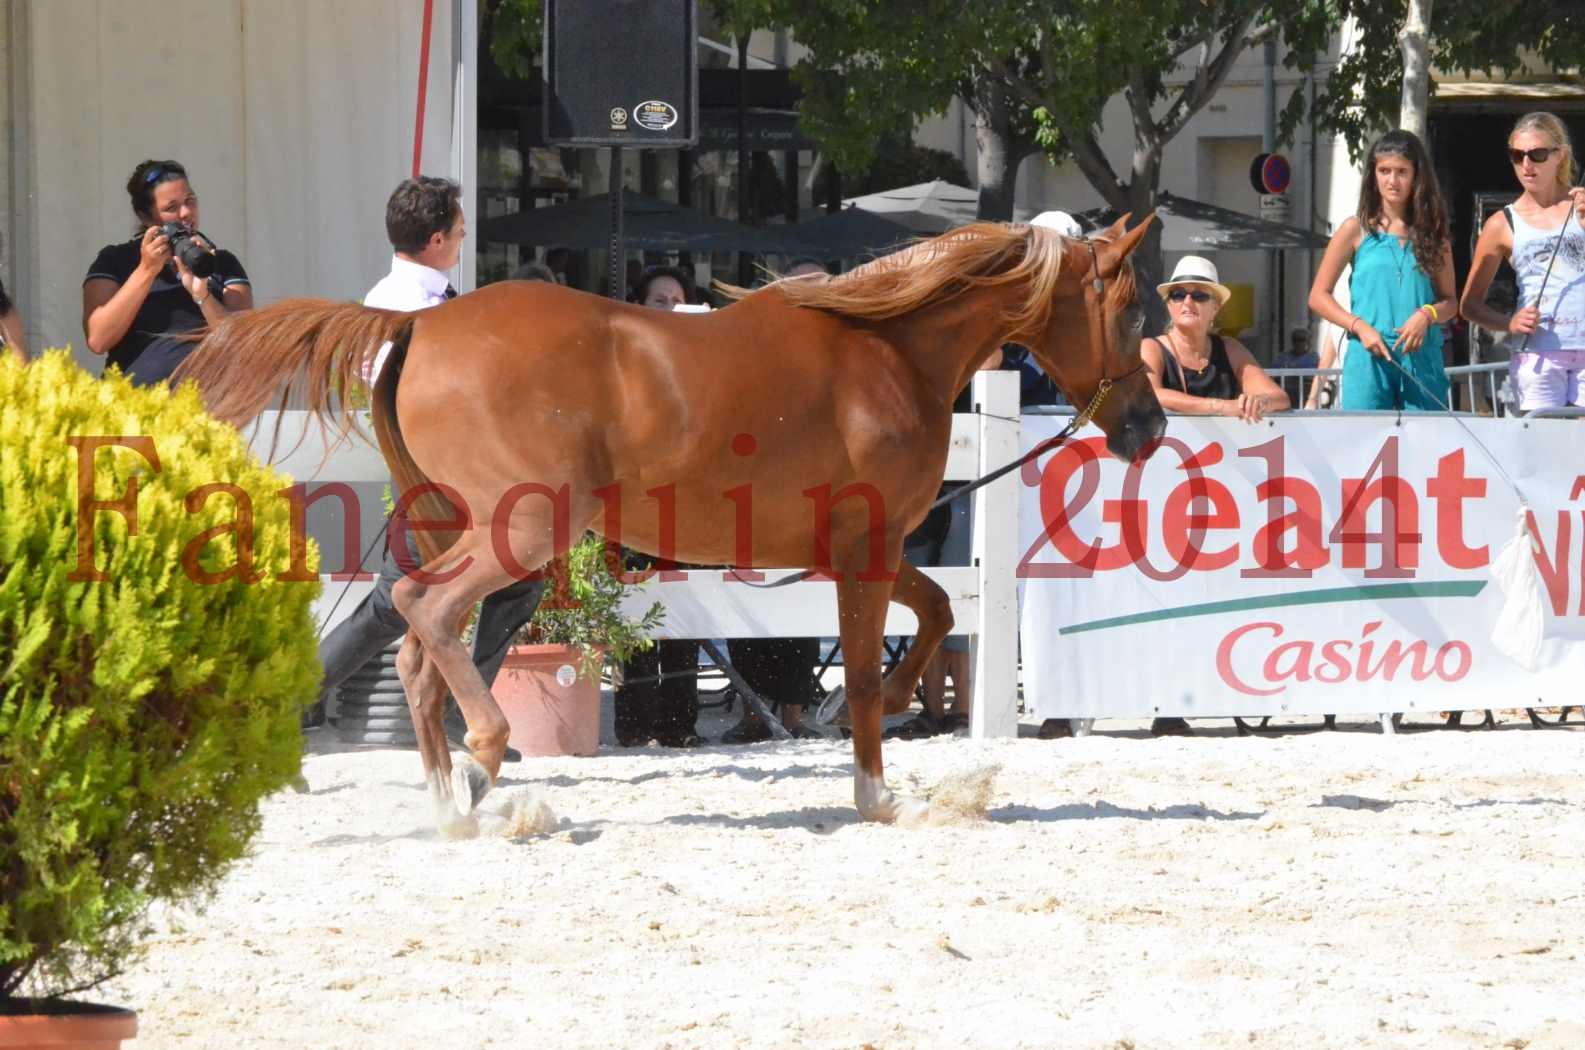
(1275, 207)
(1270, 173)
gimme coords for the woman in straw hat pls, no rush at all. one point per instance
(1198, 373)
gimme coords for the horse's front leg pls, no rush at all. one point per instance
(861, 609)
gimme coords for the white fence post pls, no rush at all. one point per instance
(994, 647)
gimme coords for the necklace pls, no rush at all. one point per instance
(1401, 242)
(1185, 369)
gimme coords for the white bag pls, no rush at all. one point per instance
(1517, 632)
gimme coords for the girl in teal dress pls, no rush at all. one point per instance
(1401, 289)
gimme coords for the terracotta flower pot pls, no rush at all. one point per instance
(65, 1025)
(552, 708)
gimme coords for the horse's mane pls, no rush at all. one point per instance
(933, 271)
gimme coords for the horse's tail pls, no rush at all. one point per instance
(429, 503)
(311, 353)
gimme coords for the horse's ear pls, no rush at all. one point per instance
(1123, 245)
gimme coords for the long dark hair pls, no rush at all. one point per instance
(1427, 213)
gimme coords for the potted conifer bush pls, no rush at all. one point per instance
(151, 678)
(549, 686)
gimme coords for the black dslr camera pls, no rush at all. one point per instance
(197, 258)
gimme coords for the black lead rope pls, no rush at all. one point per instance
(352, 576)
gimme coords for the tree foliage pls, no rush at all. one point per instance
(1467, 36)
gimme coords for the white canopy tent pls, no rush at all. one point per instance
(927, 207)
(295, 119)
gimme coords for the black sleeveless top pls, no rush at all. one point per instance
(1216, 379)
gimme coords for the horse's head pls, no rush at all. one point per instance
(1090, 345)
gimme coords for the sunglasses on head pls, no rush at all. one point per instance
(1539, 155)
(1177, 295)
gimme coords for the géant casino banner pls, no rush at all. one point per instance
(1300, 565)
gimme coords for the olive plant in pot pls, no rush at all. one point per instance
(549, 686)
(155, 658)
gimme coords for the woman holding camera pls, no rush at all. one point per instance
(141, 295)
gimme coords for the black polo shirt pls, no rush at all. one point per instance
(145, 352)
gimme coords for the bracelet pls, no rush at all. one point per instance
(205, 299)
(1352, 325)
(1428, 308)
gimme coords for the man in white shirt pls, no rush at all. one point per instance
(426, 227)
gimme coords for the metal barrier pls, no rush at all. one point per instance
(1472, 389)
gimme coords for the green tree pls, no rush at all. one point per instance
(1040, 73)
(1363, 93)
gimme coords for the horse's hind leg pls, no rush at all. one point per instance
(861, 609)
(433, 601)
(930, 605)
(426, 695)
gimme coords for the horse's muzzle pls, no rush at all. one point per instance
(1142, 426)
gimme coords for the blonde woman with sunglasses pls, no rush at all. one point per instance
(1543, 229)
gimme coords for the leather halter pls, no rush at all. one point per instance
(1105, 387)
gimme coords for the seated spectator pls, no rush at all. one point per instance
(534, 271)
(1034, 386)
(559, 261)
(1198, 373)
(139, 296)
(1297, 355)
(1300, 354)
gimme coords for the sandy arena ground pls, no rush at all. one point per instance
(1329, 890)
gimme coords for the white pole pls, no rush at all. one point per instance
(465, 128)
(994, 648)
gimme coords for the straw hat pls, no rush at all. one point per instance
(1195, 269)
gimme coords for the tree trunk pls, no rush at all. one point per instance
(1148, 268)
(1414, 40)
(999, 151)
(1149, 272)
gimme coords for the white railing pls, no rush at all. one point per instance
(705, 604)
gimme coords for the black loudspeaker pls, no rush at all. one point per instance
(621, 73)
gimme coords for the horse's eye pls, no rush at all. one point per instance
(1134, 318)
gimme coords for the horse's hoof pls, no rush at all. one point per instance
(833, 709)
(469, 784)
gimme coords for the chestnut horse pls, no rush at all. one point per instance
(805, 425)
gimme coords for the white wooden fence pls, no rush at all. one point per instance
(984, 594)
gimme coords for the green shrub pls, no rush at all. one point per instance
(143, 717)
(582, 607)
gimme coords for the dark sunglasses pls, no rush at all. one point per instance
(1539, 155)
(1177, 295)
